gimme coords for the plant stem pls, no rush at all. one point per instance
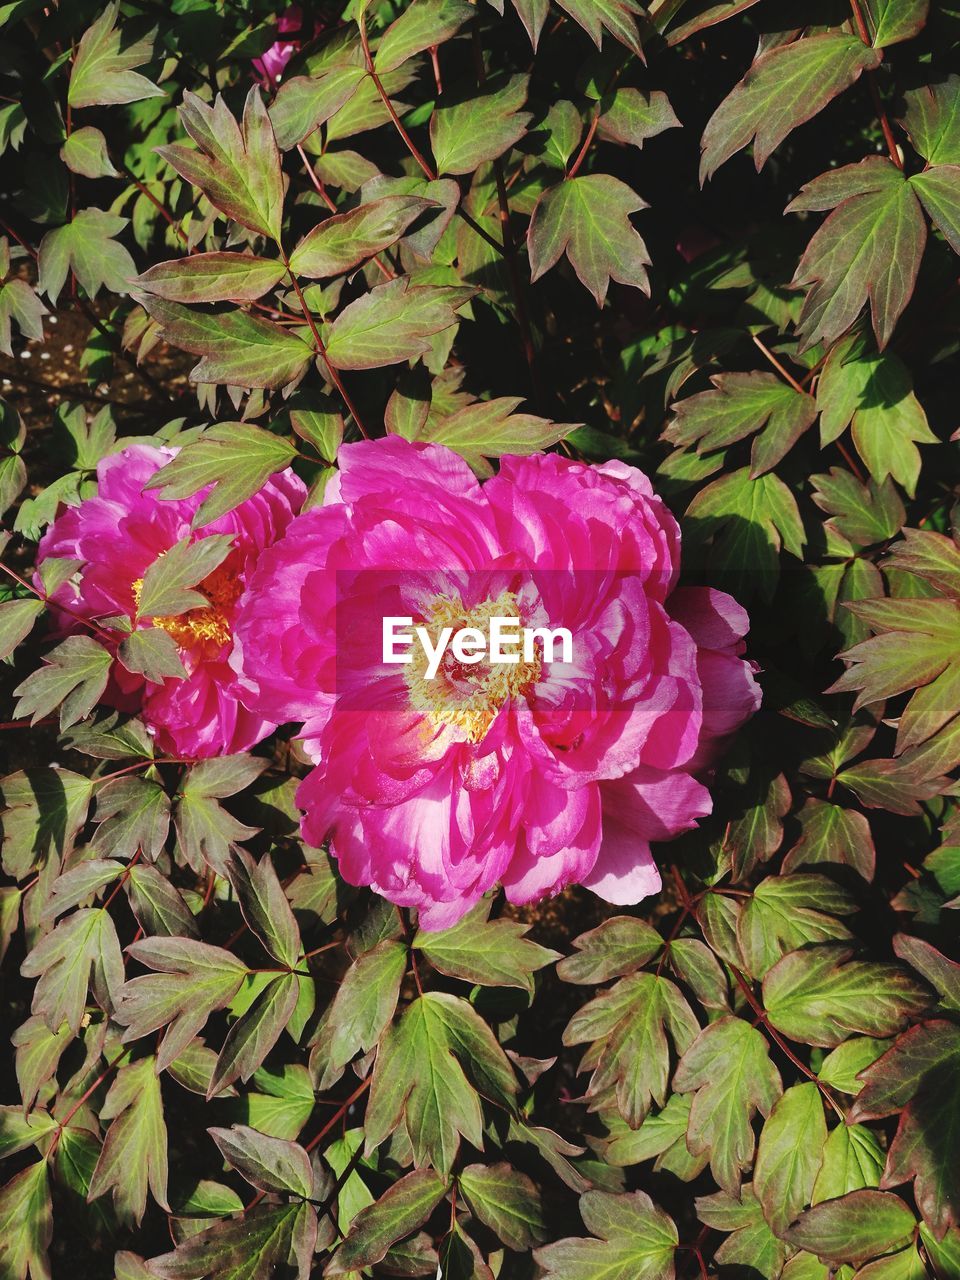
(81, 1100)
(768, 355)
(864, 34)
(781, 1044)
(582, 153)
(332, 373)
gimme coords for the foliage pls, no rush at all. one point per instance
(482, 225)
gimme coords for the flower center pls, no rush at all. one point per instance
(206, 628)
(468, 696)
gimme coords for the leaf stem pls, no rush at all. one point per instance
(889, 139)
(510, 248)
(324, 195)
(42, 595)
(781, 1044)
(411, 146)
(81, 1100)
(768, 355)
(332, 372)
(585, 147)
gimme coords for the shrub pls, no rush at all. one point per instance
(252, 236)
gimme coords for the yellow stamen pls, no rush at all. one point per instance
(462, 696)
(207, 628)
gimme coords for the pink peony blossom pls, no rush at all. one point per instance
(116, 536)
(272, 62)
(432, 793)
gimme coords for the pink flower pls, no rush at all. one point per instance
(270, 65)
(434, 792)
(116, 536)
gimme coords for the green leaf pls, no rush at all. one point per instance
(630, 116)
(18, 1130)
(865, 514)
(751, 1248)
(265, 907)
(392, 323)
(490, 429)
(916, 646)
(615, 16)
(869, 248)
(635, 1239)
(400, 1210)
(237, 458)
(16, 622)
(561, 130)
(238, 171)
(874, 393)
(933, 122)
(507, 1202)
(628, 1026)
(86, 247)
(192, 979)
(939, 192)
(616, 947)
(918, 1077)
(304, 103)
(785, 87)
(134, 1154)
(213, 277)
(362, 1008)
(269, 1164)
(467, 134)
(26, 1224)
(44, 811)
(79, 883)
(255, 1033)
(166, 584)
(587, 218)
(419, 1075)
(237, 348)
(789, 1154)
(339, 243)
(831, 833)
(284, 1104)
(102, 73)
(852, 1159)
(854, 1228)
(493, 953)
(319, 426)
(942, 974)
(205, 829)
(891, 21)
(268, 1240)
(729, 1067)
(662, 1136)
(787, 912)
(750, 520)
(820, 996)
(756, 835)
(533, 14)
(341, 1156)
(424, 24)
(842, 1066)
(741, 405)
(85, 152)
(19, 302)
(158, 905)
(73, 678)
(151, 653)
(82, 951)
(134, 813)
